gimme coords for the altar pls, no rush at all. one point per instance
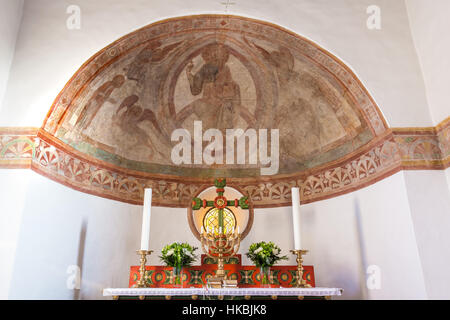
(221, 275)
(222, 293)
(196, 276)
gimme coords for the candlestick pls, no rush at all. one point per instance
(296, 217)
(220, 247)
(300, 283)
(146, 217)
(142, 283)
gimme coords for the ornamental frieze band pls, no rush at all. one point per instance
(411, 148)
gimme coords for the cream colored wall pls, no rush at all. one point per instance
(13, 189)
(371, 226)
(48, 54)
(61, 227)
(429, 27)
(429, 199)
(10, 18)
(47, 217)
(345, 235)
(429, 191)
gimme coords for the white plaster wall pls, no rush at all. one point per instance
(169, 225)
(10, 18)
(48, 54)
(13, 188)
(274, 224)
(429, 199)
(429, 27)
(371, 226)
(344, 236)
(447, 175)
(61, 227)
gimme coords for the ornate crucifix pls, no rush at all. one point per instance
(226, 243)
(220, 202)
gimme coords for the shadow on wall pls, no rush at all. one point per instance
(338, 254)
(362, 251)
(80, 258)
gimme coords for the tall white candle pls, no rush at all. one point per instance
(296, 218)
(146, 215)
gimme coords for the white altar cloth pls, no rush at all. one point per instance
(316, 292)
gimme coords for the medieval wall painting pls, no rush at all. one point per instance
(227, 78)
(108, 131)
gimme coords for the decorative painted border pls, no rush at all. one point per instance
(390, 151)
(17, 147)
(424, 148)
(399, 148)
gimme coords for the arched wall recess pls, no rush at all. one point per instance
(109, 130)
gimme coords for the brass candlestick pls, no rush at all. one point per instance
(141, 283)
(301, 283)
(220, 246)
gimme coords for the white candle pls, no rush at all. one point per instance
(296, 217)
(220, 230)
(146, 215)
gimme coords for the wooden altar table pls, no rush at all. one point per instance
(221, 294)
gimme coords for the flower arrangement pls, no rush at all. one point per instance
(265, 254)
(178, 255)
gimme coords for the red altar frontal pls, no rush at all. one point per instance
(247, 276)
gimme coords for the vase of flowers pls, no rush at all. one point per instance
(264, 255)
(178, 255)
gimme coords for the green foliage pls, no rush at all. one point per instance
(220, 182)
(196, 203)
(243, 202)
(265, 254)
(178, 255)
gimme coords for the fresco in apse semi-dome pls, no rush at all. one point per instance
(227, 78)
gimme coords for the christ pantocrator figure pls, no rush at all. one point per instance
(220, 104)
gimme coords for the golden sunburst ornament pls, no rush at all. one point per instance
(211, 220)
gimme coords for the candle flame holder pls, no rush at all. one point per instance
(220, 246)
(142, 283)
(301, 283)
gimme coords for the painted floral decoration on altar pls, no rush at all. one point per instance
(178, 255)
(264, 255)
